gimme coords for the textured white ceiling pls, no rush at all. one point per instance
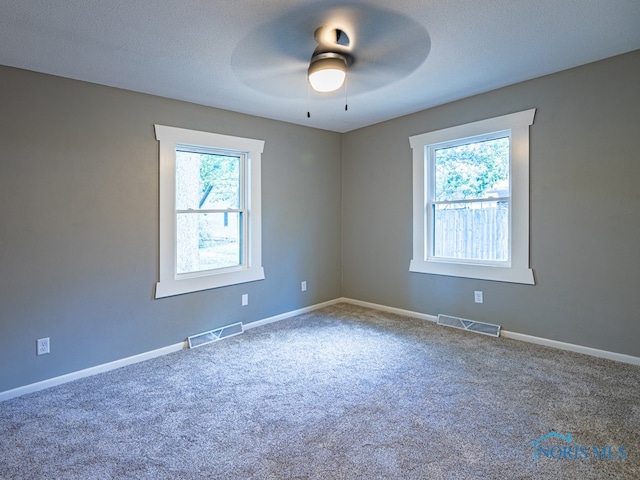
(251, 56)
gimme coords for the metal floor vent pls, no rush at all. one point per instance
(215, 335)
(470, 325)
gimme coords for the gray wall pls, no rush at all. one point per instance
(79, 224)
(79, 218)
(585, 211)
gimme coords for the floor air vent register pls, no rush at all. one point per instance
(469, 325)
(215, 335)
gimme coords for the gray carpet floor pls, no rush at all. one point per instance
(339, 393)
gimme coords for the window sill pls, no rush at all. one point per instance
(169, 288)
(481, 272)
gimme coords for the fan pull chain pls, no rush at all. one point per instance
(346, 83)
(346, 97)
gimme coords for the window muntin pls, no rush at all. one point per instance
(510, 196)
(210, 210)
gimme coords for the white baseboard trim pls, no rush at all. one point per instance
(34, 387)
(398, 311)
(87, 372)
(52, 382)
(293, 313)
(594, 352)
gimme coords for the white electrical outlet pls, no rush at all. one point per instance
(303, 286)
(478, 296)
(42, 345)
(245, 299)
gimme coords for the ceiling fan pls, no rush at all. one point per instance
(330, 60)
(374, 46)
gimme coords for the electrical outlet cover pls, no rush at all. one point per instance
(42, 345)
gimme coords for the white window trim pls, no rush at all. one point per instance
(518, 270)
(171, 284)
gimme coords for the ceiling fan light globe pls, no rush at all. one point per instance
(327, 80)
(327, 74)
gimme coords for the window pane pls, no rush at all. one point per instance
(475, 170)
(207, 241)
(476, 231)
(207, 181)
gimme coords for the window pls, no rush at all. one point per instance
(210, 228)
(471, 200)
